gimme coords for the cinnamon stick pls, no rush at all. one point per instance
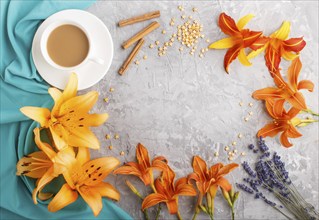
(132, 55)
(136, 19)
(141, 34)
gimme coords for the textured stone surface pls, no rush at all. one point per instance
(181, 105)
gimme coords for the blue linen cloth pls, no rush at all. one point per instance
(22, 86)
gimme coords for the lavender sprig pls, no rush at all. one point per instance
(270, 173)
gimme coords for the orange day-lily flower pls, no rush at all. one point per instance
(239, 39)
(278, 46)
(86, 177)
(69, 120)
(167, 191)
(283, 121)
(287, 91)
(143, 168)
(208, 180)
(44, 165)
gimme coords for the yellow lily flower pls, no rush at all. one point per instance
(69, 120)
(239, 39)
(86, 177)
(44, 165)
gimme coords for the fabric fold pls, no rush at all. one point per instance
(21, 85)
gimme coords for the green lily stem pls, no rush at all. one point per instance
(311, 112)
(137, 193)
(305, 122)
(210, 205)
(199, 203)
(195, 215)
(232, 213)
(158, 211)
(146, 214)
(179, 216)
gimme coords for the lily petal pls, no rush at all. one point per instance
(267, 93)
(160, 186)
(46, 148)
(128, 170)
(297, 100)
(41, 115)
(71, 88)
(44, 196)
(223, 183)
(283, 32)
(63, 198)
(213, 171)
(92, 198)
(200, 167)
(270, 130)
(107, 190)
(83, 155)
(293, 112)
(249, 37)
(168, 175)
(142, 156)
(95, 119)
(284, 140)
(231, 55)
(172, 206)
(305, 84)
(227, 169)
(83, 137)
(243, 58)
(43, 181)
(224, 43)
(292, 132)
(193, 176)
(79, 104)
(185, 190)
(59, 136)
(255, 53)
(270, 107)
(273, 59)
(98, 169)
(259, 44)
(35, 165)
(244, 20)
(289, 56)
(278, 108)
(293, 72)
(159, 164)
(213, 190)
(227, 25)
(294, 44)
(55, 94)
(153, 199)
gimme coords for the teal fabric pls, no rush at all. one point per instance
(21, 85)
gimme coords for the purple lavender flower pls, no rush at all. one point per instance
(251, 146)
(245, 188)
(253, 184)
(270, 173)
(270, 202)
(248, 169)
(262, 146)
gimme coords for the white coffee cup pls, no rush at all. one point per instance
(43, 47)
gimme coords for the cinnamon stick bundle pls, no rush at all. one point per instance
(130, 58)
(154, 25)
(140, 18)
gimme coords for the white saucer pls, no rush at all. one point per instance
(91, 72)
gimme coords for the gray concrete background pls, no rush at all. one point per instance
(181, 105)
